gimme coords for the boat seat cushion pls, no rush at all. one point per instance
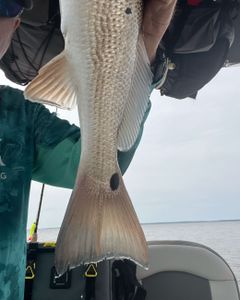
(177, 285)
(187, 271)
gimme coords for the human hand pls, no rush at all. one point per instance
(156, 19)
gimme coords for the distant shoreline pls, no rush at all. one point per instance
(187, 222)
(169, 223)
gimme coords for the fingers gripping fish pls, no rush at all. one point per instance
(104, 69)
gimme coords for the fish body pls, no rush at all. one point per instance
(101, 48)
(104, 69)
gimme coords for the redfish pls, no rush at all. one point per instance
(105, 70)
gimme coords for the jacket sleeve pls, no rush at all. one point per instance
(57, 149)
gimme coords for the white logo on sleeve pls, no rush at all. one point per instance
(3, 176)
(2, 164)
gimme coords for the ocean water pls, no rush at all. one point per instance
(223, 237)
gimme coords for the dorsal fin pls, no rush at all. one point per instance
(54, 84)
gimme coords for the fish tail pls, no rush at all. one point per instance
(100, 223)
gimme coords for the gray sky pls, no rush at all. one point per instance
(188, 164)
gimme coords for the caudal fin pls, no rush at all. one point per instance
(100, 222)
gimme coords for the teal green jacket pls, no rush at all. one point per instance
(34, 144)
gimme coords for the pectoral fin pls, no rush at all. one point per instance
(53, 85)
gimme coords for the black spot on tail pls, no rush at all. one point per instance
(114, 182)
(128, 11)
